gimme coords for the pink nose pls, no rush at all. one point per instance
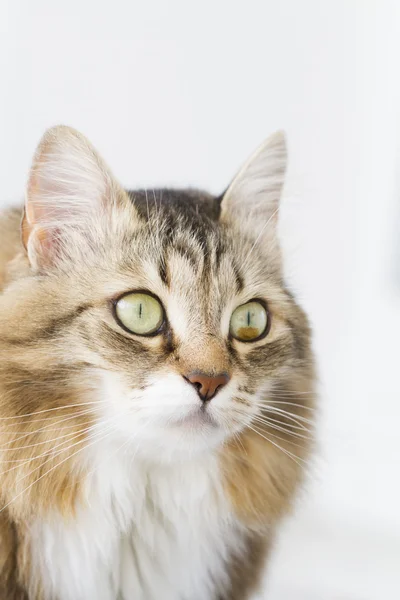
(207, 386)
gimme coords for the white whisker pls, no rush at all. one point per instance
(289, 454)
(280, 428)
(92, 436)
(50, 470)
(47, 410)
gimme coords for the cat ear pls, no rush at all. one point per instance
(68, 184)
(252, 199)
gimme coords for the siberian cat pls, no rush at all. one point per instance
(156, 383)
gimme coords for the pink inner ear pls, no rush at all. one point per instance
(46, 241)
(68, 184)
(38, 214)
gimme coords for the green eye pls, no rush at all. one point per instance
(249, 322)
(139, 313)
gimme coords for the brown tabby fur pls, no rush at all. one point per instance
(50, 350)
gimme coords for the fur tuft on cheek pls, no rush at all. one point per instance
(265, 464)
(259, 478)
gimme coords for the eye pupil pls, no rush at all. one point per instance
(248, 318)
(140, 310)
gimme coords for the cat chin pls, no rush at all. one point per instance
(175, 445)
(165, 444)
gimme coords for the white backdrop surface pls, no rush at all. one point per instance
(180, 93)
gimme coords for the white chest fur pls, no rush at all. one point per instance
(145, 534)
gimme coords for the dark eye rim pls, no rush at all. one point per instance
(267, 329)
(164, 322)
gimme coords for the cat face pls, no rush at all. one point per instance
(164, 309)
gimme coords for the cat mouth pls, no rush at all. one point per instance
(196, 419)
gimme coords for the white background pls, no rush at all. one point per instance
(180, 93)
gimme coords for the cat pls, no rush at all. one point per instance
(157, 383)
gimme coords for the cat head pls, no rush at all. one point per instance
(165, 310)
